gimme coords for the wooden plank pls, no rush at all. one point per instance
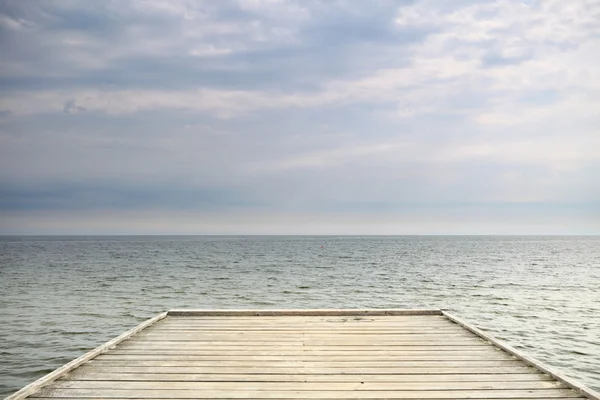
(356, 394)
(324, 312)
(437, 322)
(308, 337)
(337, 331)
(306, 358)
(580, 388)
(186, 346)
(307, 334)
(309, 353)
(271, 364)
(354, 317)
(412, 323)
(266, 398)
(309, 321)
(298, 327)
(308, 386)
(91, 374)
(265, 347)
(33, 387)
(438, 315)
(302, 330)
(300, 323)
(312, 370)
(310, 342)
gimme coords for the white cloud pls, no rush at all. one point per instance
(14, 23)
(210, 51)
(509, 22)
(326, 158)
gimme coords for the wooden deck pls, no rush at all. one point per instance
(311, 354)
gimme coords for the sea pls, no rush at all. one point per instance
(62, 296)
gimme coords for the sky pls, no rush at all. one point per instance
(300, 117)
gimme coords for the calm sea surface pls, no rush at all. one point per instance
(62, 296)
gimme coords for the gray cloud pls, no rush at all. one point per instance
(82, 196)
(71, 107)
(133, 47)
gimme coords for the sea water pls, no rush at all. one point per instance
(62, 296)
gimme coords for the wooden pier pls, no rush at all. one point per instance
(305, 354)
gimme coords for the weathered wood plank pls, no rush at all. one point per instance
(428, 351)
(311, 318)
(262, 332)
(313, 342)
(316, 338)
(266, 347)
(304, 313)
(266, 398)
(308, 321)
(92, 374)
(309, 386)
(316, 394)
(289, 323)
(300, 327)
(308, 335)
(301, 324)
(294, 331)
(447, 326)
(272, 364)
(306, 358)
(312, 370)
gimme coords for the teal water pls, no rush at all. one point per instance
(62, 296)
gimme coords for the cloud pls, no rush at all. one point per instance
(210, 51)
(325, 158)
(70, 107)
(101, 196)
(299, 106)
(11, 23)
(477, 49)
